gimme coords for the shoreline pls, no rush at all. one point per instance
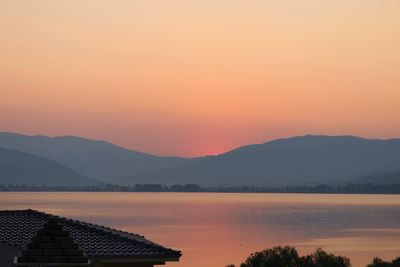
(193, 188)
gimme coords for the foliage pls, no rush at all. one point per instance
(378, 262)
(273, 257)
(321, 258)
(288, 257)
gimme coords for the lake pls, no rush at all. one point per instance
(215, 229)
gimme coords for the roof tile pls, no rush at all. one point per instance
(18, 227)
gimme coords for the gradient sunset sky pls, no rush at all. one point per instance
(189, 78)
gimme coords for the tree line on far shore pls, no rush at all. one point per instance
(317, 189)
(288, 257)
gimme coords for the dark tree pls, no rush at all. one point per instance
(288, 257)
(273, 257)
(378, 262)
(321, 258)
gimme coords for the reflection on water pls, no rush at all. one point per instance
(217, 229)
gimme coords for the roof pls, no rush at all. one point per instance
(7, 254)
(53, 245)
(18, 227)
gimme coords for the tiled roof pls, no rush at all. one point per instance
(17, 227)
(7, 254)
(52, 244)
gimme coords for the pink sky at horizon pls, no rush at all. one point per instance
(199, 78)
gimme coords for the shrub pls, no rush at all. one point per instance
(321, 258)
(273, 257)
(378, 262)
(288, 257)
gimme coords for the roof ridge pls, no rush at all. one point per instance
(105, 229)
(114, 232)
(52, 244)
(17, 227)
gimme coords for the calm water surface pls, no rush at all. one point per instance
(215, 229)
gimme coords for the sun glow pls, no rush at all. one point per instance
(185, 78)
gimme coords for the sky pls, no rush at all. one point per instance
(191, 78)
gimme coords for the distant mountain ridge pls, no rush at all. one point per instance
(22, 168)
(392, 177)
(92, 158)
(299, 160)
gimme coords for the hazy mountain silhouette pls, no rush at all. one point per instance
(293, 161)
(23, 168)
(92, 158)
(381, 178)
(303, 160)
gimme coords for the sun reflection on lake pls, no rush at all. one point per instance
(215, 229)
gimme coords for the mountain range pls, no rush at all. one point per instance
(23, 168)
(302, 160)
(293, 161)
(92, 158)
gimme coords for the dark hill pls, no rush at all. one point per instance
(92, 158)
(293, 161)
(381, 178)
(23, 168)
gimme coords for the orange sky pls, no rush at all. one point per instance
(190, 78)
